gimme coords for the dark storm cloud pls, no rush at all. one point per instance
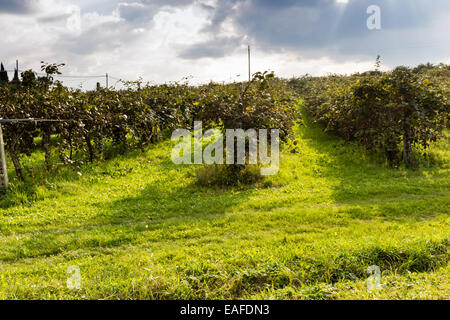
(315, 23)
(18, 6)
(323, 27)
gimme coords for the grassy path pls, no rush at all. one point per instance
(138, 228)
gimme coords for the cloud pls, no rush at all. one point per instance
(18, 6)
(136, 11)
(164, 40)
(54, 18)
(324, 28)
(215, 48)
(100, 38)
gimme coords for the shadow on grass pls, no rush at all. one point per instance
(165, 201)
(37, 175)
(165, 209)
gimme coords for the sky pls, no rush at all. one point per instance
(202, 40)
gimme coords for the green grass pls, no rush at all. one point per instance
(139, 227)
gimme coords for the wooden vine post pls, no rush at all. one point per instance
(3, 169)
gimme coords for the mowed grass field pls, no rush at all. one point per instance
(138, 227)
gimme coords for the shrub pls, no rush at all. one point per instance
(132, 117)
(226, 175)
(381, 110)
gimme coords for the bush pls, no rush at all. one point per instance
(132, 117)
(394, 111)
(227, 175)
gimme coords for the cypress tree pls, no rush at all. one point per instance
(16, 77)
(3, 74)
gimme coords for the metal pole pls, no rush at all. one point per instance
(3, 169)
(107, 80)
(249, 69)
